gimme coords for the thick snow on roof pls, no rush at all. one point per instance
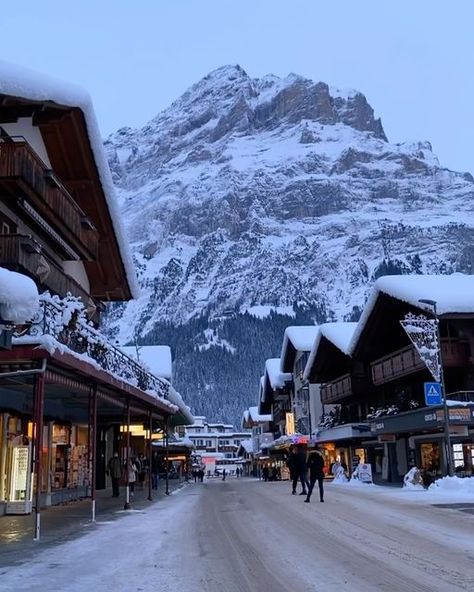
(340, 334)
(452, 293)
(275, 376)
(21, 82)
(301, 338)
(247, 445)
(18, 297)
(256, 417)
(157, 358)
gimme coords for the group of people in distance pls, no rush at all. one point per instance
(299, 465)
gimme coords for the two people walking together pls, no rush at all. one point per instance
(299, 465)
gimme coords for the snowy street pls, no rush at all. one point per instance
(243, 535)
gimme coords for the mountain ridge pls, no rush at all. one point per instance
(275, 194)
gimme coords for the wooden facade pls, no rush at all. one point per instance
(58, 196)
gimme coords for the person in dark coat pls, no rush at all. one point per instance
(291, 463)
(302, 469)
(316, 473)
(114, 469)
(155, 470)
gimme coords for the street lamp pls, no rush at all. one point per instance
(447, 436)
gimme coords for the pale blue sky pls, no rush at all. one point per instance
(413, 59)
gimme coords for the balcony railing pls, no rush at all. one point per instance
(65, 320)
(337, 389)
(22, 253)
(19, 163)
(406, 361)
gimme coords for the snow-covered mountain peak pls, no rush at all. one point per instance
(278, 192)
(248, 199)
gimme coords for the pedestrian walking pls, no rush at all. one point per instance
(141, 465)
(316, 473)
(155, 470)
(132, 476)
(114, 469)
(291, 463)
(302, 469)
(223, 475)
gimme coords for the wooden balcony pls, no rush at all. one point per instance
(24, 175)
(23, 254)
(338, 389)
(405, 361)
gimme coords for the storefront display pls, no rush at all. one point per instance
(430, 457)
(60, 456)
(458, 456)
(19, 491)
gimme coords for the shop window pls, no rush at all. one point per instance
(60, 456)
(430, 457)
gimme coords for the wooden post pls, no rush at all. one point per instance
(150, 453)
(38, 442)
(127, 460)
(167, 490)
(93, 445)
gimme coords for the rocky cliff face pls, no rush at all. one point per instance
(247, 195)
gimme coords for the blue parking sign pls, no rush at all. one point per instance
(433, 393)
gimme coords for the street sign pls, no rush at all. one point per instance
(433, 393)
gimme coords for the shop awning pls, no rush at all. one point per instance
(428, 418)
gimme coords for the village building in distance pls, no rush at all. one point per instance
(216, 445)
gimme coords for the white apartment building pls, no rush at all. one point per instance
(216, 444)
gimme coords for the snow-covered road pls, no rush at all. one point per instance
(240, 536)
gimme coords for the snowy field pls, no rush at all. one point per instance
(245, 535)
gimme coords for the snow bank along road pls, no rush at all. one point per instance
(240, 535)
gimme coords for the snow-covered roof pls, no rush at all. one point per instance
(256, 417)
(452, 293)
(296, 339)
(157, 358)
(184, 409)
(339, 334)
(18, 297)
(178, 442)
(247, 445)
(24, 83)
(276, 378)
(252, 416)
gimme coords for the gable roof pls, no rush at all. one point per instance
(22, 83)
(340, 334)
(296, 339)
(274, 375)
(452, 293)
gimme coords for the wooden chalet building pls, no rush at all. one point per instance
(297, 344)
(275, 397)
(343, 385)
(262, 433)
(67, 396)
(380, 381)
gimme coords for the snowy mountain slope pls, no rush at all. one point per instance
(277, 192)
